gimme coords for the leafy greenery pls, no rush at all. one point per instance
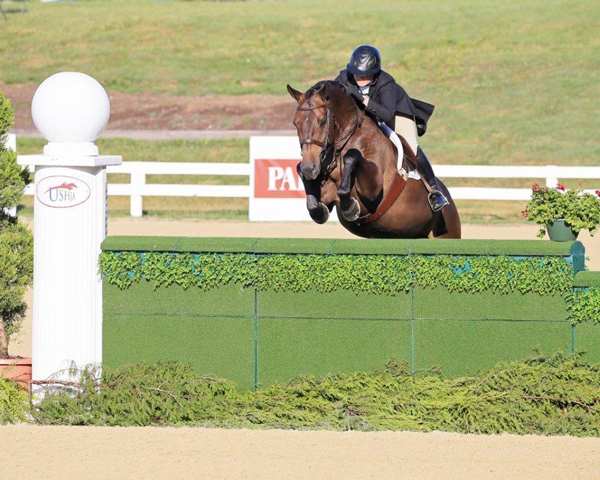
(578, 209)
(13, 402)
(551, 396)
(379, 274)
(16, 241)
(584, 305)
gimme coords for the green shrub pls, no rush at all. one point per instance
(16, 241)
(584, 306)
(578, 209)
(13, 402)
(376, 274)
(552, 396)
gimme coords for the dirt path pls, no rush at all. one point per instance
(28, 452)
(159, 135)
(21, 343)
(147, 111)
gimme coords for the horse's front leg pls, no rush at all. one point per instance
(318, 210)
(349, 206)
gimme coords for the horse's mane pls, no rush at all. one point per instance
(318, 88)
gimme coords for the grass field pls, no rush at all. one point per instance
(515, 82)
(517, 79)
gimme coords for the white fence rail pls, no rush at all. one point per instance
(137, 189)
(549, 173)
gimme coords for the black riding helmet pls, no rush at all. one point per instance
(365, 61)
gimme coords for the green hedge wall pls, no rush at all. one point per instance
(264, 310)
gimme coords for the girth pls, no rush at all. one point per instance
(397, 188)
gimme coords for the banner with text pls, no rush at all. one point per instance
(277, 193)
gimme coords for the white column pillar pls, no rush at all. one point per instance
(70, 212)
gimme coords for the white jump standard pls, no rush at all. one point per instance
(70, 110)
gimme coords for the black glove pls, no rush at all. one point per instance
(357, 96)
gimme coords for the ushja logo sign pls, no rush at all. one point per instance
(62, 191)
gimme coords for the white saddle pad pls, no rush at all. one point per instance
(393, 136)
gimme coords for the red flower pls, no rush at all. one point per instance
(598, 192)
(535, 187)
(524, 213)
(561, 187)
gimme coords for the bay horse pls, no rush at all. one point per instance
(348, 162)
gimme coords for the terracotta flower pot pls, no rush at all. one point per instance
(559, 231)
(17, 369)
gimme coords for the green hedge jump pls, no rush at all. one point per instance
(263, 310)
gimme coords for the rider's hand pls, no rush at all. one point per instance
(366, 100)
(357, 96)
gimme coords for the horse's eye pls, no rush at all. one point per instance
(322, 122)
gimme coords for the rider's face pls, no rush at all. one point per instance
(363, 81)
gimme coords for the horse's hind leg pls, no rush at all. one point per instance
(349, 206)
(317, 210)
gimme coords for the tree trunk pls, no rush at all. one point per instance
(3, 340)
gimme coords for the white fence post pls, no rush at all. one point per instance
(11, 144)
(138, 180)
(551, 176)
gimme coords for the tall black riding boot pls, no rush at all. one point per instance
(437, 200)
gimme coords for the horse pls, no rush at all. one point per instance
(348, 162)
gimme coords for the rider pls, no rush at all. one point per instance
(386, 102)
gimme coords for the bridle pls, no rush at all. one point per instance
(326, 145)
(309, 141)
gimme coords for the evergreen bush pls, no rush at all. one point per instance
(16, 241)
(558, 395)
(13, 402)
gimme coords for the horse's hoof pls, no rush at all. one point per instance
(320, 214)
(311, 202)
(353, 212)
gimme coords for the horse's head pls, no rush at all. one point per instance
(316, 124)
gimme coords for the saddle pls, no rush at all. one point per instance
(402, 150)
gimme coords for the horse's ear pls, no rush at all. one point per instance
(325, 91)
(294, 93)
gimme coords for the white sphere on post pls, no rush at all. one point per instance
(70, 110)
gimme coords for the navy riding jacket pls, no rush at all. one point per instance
(388, 99)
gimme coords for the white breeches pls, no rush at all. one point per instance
(407, 128)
